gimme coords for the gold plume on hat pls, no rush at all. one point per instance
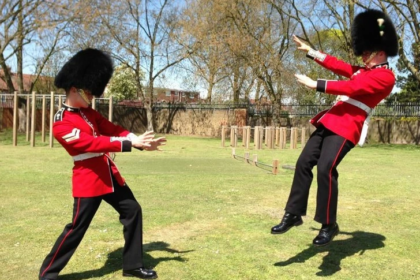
(381, 26)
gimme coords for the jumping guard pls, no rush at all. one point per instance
(339, 128)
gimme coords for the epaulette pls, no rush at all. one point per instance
(58, 117)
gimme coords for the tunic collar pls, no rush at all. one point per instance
(382, 65)
(70, 109)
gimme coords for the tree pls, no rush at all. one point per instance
(204, 25)
(410, 89)
(16, 24)
(23, 23)
(144, 37)
(122, 85)
(238, 47)
(407, 82)
(163, 49)
(262, 44)
(28, 23)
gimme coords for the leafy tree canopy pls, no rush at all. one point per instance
(122, 85)
(408, 82)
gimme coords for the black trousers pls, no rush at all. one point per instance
(84, 209)
(326, 150)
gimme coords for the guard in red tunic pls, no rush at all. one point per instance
(341, 127)
(88, 137)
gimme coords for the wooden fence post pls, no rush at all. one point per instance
(248, 136)
(244, 138)
(273, 137)
(33, 119)
(283, 137)
(303, 137)
(223, 135)
(233, 135)
(256, 137)
(15, 117)
(246, 157)
(267, 137)
(275, 166)
(43, 118)
(110, 109)
(293, 138)
(52, 101)
(28, 110)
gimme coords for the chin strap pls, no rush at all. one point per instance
(372, 55)
(83, 95)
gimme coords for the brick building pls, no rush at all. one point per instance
(175, 96)
(42, 85)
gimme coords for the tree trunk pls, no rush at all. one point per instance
(19, 51)
(149, 115)
(235, 86)
(276, 110)
(149, 105)
(209, 92)
(7, 75)
(22, 119)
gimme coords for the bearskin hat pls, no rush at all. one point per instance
(372, 30)
(89, 69)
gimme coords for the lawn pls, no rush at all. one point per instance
(208, 216)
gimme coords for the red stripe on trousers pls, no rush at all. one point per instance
(65, 237)
(330, 186)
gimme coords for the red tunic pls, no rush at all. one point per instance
(369, 86)
(85, 133)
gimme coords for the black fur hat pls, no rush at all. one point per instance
(89, 69)
(372, 30)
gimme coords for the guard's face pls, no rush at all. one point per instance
(86, 97)
(365, 56)
(369, 58)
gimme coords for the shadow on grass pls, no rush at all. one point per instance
(114, 262)
(358, 242)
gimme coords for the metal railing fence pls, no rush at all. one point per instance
(290, 110)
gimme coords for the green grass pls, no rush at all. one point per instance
(208, 216)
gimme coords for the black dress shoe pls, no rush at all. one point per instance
(289, 220)
(140, 273)
(326, 234)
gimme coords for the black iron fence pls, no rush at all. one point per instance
(300, 110)
(290, 110)
(382, 110)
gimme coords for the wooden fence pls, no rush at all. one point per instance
(47, 104)
(271, 136)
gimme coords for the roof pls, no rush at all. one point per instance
(27, 82)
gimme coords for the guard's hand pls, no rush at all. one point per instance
(147, 136)
(143, 141)
(300, 44)
(155, 144)
(306, 81)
